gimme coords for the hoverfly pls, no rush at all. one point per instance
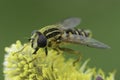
(63, 32)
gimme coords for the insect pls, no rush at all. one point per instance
(52, 36)
(63, 32)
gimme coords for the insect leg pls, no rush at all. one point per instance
(68, 50)
(58, 50)
(36, 49)
(46, 51)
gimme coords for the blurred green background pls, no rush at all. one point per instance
(18, 18)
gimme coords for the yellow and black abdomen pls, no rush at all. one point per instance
(80, 32)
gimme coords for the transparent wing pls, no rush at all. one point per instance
(86, 41)
(70, 22)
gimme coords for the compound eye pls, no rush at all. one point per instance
(42, 41)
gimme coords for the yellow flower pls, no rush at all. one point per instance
(21, 64)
